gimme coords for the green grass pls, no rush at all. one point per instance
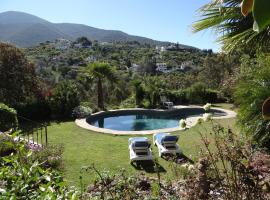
(108, 152)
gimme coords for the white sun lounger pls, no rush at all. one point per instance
(166, 143)
(139, 149)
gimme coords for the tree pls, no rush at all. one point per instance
(138, 91)
(214, 69)
(235, 30)
(64, 99)
(153, 88)
(19, 82)
(148, 66)
(100, 72)
(84, 41)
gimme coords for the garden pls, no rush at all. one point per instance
(45, 155)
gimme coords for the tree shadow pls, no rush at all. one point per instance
(148, 166)
(178, 159)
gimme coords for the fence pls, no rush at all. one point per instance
(34, 132)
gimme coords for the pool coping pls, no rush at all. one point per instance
(191, 121)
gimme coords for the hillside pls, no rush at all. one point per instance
(27, 30)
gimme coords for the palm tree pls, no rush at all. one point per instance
(138, 91)
(153, 88)
(100, 72)
(235, 30)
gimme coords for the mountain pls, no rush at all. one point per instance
(27, 30)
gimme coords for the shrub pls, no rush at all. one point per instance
(183, 123)
(6, 144)
(177, 96)
(212, 96)
(21, 178)
(227, 170)
(253, 88)
(207, 107)
(91, 105)
(128, 103)
(123, 186)
(8, 118)
(50, 156)
(37, 110)
(81, 112)
(198, 93)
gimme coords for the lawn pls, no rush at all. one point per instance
(107, 152)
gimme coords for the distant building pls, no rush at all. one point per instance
(78, 45)
(62, 44)
(160, 48)
(134, 68)
(162, 67)
(105, 43)
(90, 59)
(185, 66)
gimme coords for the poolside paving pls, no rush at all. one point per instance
(191, 121)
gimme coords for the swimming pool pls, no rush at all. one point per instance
(142, 120)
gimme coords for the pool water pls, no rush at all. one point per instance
(144, 120)
(137, 122)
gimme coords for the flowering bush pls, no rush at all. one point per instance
(81, 112)
(24, 178)
(183, 123)
(50, 156)
(207, 107)
(207, 116)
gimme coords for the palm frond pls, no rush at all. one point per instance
(233, 29)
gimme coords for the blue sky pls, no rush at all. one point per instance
(166, 20)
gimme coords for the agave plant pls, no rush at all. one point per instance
(234, 29)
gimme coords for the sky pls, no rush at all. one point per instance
(165, 20)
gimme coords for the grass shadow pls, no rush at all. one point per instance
(148, 166)
(178, 159)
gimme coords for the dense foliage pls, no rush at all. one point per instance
(64, 99)
(8, 118)
(229, 169)
(19, 82)
(23, 178)
(252, 90)
(81, 112)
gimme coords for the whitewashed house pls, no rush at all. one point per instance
(134, 68)
(62, 44)
(162, 67)
(186, 65)
(90, 59)
(160, 48)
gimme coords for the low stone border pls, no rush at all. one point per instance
(191, 121)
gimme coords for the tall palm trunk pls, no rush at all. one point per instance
(100, 94)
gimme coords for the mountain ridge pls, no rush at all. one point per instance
(26, 30)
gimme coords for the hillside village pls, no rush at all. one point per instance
(64, 57)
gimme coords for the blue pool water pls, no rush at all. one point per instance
(136, 122)
(144, 120)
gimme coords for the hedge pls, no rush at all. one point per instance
(8, 118)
